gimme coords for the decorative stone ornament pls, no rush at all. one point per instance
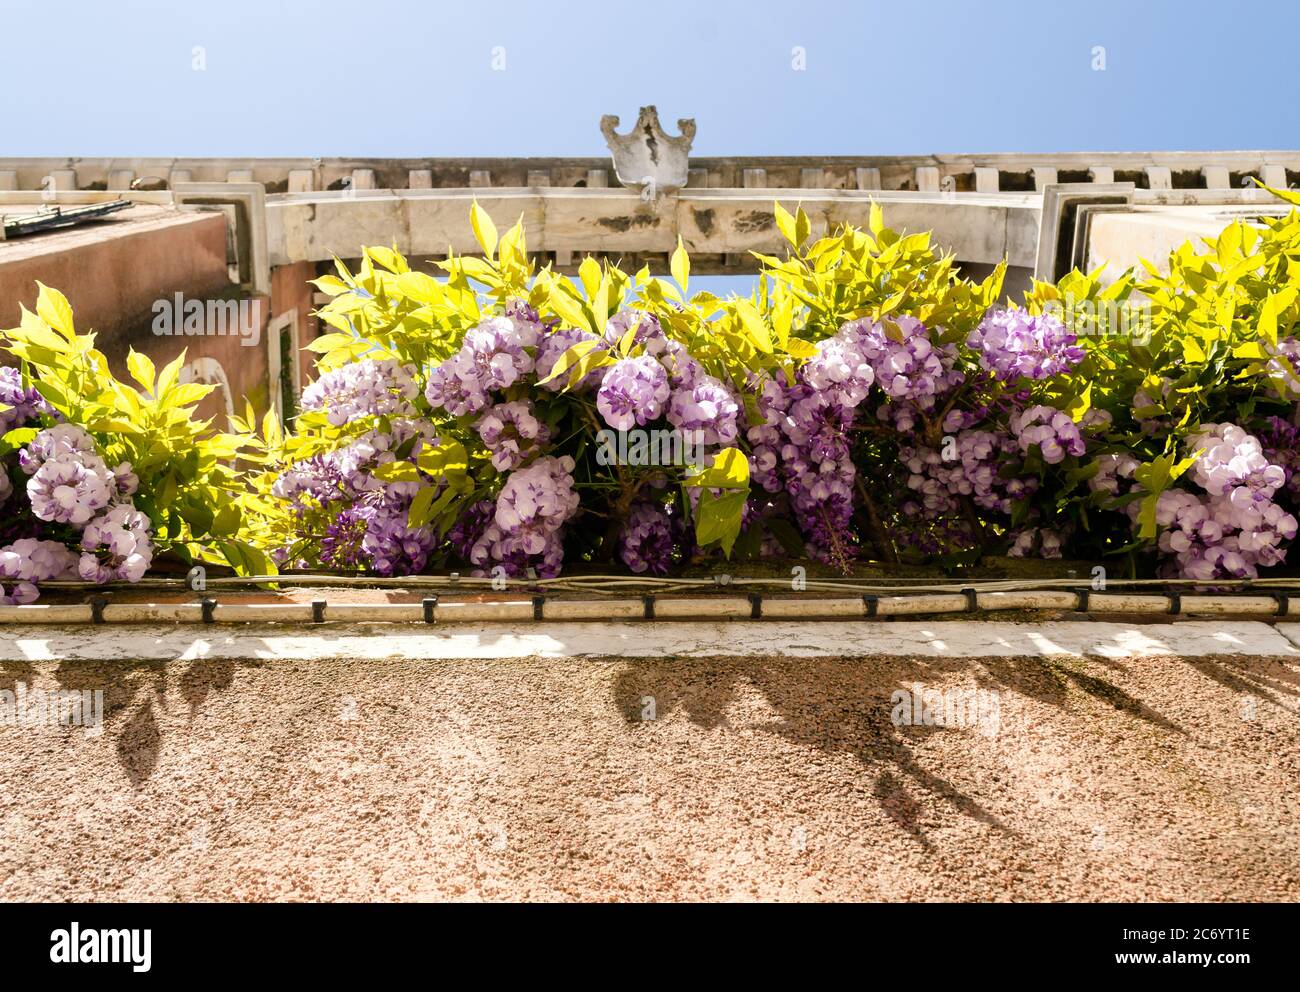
(646, 156)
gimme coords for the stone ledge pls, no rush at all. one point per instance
(687, 639)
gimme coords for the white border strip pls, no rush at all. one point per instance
(958, 639)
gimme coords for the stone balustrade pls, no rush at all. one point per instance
(988, 173)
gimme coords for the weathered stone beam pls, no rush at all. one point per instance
(785, 172)
(312, 227)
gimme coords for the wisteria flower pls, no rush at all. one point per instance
(362, 389)
(116, 545)
(70, 492)
(1014, 344)
(1054, 433)
(23, 404)
(633, 393)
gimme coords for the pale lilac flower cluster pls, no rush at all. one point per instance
(373, 533)
(802, 444)
(974, 470)
(512, 433)
(802, 448)
(493, 356)
(633, 392)
(1232, 464)
(647, 327)
(841, 368)
(1228, 531)
(1052, 431)
(28, 561)
(910, 368)
(62, 442)
(363, 519)
(646, 542)
(116, 545)
(23, 404)
(529, 516)
(317, 477)
(1284, 366)
(552, 348)
(1239, 527)
(1014, 344)
(366, 388)
(706, 406)
(1114, 475)
(1037, 542)
(71, 486)
(1209, 538)
(683, 370)
(69, 481)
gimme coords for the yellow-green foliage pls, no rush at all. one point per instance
(188, 481)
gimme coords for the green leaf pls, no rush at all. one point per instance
(1080, 405)
(20, 436)
(570, 358)
(572, 309)
(1267, 328)
(198, 515)
(141, 368)
(785, 223)
(729, 470)
(680, 265)
(170, 375)
(485, 232)
(754, 326)
(445, 459)
(328, 342)
(245, 559)
(418, 514)
(188, 393)
(227, 520)
(876, 222)
(589, 273)
(53, 308)
(718, 519)
(397, 472)
(802, 226)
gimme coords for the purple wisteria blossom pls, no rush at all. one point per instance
(708, 407)
(552, 349)
(646, 542)
(63, 442)
(362, 389)
(906, 364)
(116, 545)
(512, 433)
(1053, 432)
(633, 393)
(493, 356)
(23, 404)
(71, 490)
(974, 470)
(530, 511)
(1013, 344)
(1283, 366)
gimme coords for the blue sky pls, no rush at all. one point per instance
(380, 78)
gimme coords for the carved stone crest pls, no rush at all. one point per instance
(646, 156)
